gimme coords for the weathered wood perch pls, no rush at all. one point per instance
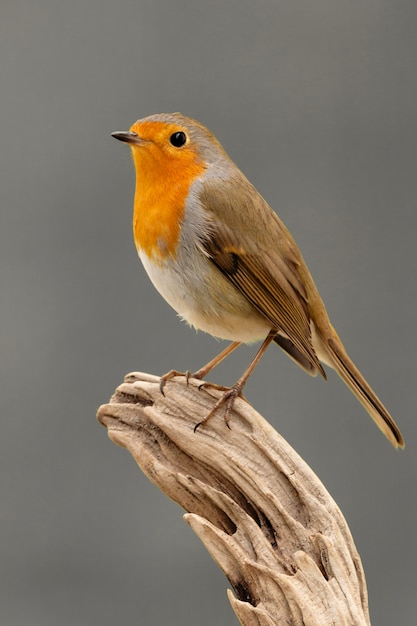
(261, 512)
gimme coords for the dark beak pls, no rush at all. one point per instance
(128, 136)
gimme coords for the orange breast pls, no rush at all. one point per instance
(163, 181)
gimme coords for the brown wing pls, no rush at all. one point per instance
(269, 279)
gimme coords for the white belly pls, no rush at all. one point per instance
(205, 299)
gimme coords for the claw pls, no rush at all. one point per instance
(206, 385)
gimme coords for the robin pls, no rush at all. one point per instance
(221, 257)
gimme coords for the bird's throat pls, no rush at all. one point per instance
(160, 200)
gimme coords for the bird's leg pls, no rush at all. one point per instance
(232, 393)
(203, 371)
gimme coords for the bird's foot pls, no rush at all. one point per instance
(169, 375)
(172, 373)
(228, 399)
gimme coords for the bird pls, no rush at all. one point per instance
(223, 259)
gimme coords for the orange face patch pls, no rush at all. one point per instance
(164, 174)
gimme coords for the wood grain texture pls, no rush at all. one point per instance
(261, 512)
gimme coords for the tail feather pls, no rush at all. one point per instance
(358, 385)
(298, 356)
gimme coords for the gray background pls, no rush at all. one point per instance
(316, 101)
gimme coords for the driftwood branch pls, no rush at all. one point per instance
(263, 515)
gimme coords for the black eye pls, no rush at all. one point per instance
(178, 139)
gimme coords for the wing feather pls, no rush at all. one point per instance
(268, 279)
